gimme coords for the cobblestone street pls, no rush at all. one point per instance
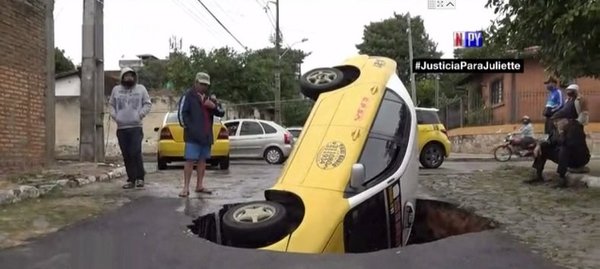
(564, 225)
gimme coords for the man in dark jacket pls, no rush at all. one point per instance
(566, 146)
(196, 112)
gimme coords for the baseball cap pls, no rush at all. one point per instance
(573, 87)
(203, 78)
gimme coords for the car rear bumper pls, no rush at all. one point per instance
(169, 149)
(287, 150)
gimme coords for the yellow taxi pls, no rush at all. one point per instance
(171, 145)
(434, 144)
(350, 182)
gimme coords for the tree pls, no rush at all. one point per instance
(567, 31)
(389, 38)
(61, 62)
(154, 74)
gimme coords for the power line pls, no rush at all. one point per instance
(220, 23)
(196, 18)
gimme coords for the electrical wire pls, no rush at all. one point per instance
(222, 25)
(197, 18)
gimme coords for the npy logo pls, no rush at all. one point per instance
(468, 39)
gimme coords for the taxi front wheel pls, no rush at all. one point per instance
(255, 223)
(320, 80)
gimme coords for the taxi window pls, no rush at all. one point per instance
(427, 117)
(388, 139)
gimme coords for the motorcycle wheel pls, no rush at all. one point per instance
(498, 153)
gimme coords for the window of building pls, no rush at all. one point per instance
(497, 92)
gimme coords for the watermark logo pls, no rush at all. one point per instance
(468, 39)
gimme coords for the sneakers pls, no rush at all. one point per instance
(137, 184)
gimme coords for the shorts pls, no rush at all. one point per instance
(196, 152)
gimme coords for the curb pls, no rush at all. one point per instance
(491, 159)
(25, 192)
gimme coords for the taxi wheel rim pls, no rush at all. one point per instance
(254, 213)
(434, 155)
(321, 77)
(273, 156)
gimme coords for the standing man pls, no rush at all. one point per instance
(129, 104)
(554, 103)
(196, 112)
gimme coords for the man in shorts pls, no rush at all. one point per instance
(196, 112)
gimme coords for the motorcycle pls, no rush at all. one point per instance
(512, 146)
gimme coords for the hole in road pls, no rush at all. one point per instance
(434, 220)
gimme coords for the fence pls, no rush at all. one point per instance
(463, 111)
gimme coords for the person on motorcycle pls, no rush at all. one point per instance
(526, 131)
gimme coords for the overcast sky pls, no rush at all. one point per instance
(333, 27)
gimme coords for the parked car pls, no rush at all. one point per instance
(253, 138)
(171, 145)
(350, 183)
(434, 145)
(295, 131)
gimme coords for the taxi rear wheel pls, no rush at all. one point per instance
(432, 156)
(161, 164)
(320, 80)
(224, 163)
(255, 224)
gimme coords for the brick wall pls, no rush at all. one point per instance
(22, 84)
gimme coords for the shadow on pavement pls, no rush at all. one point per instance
(151, 233)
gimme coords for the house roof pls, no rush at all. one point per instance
(76, 72)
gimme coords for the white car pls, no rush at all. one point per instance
(253, 138)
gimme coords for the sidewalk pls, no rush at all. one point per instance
(477, 157)
(34, 184)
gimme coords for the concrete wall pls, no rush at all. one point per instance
(68, 86)
(483, 139)
(23, 78)
(67, 126)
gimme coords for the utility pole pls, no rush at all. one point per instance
(91, 137)
(278, 118)
(410, 56)
(437, 91)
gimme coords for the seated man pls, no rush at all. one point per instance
(565, 146)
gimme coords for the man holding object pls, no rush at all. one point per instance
(196, 112)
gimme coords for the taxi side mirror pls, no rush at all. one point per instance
(357, 175)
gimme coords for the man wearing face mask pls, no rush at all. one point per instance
(196, 112)
(554, 102)
(129, 104)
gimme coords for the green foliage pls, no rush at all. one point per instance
(389, 38)
(240, 78)
(154, 74)
(296, 113)
(61, 62)
(567, 31)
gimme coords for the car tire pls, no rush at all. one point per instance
(432, 156)
(161, 164)
(224, 163)
(273, 155)
(255, 224)
(320, 80)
